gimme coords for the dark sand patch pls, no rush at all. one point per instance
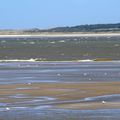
(65, 95)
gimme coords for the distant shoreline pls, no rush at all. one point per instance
(64, 35)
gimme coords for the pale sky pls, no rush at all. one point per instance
(52, 13)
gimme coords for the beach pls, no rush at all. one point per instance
(62, 34)
(60, 77)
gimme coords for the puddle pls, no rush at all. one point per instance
(19, 96)
(43, 107)
(2, 104)
(109, 98)
(27, 88)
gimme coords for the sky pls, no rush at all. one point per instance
(24, 14)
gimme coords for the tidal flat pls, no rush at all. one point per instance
(60, 78)
(59, 90)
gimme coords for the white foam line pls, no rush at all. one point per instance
(19, 60)
(37, 60)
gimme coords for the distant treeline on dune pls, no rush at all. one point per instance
(82, 28)
(67, 29)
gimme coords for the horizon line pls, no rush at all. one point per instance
(56, 26)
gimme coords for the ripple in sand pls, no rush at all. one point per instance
(109, 98)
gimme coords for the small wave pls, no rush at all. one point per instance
(86, 60)
(19, 60)
(96, 60)
(62, 41)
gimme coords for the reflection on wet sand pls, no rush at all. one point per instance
(63, 90)
(59, 94)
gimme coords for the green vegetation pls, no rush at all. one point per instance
(81, 28)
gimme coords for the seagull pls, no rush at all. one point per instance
(103, 102)
(7, 108)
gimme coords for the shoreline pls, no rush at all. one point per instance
(60, 61)
(64, 35)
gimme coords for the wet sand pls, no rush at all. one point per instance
(61, 95)
(59, 90)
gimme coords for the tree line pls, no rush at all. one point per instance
(81, 28)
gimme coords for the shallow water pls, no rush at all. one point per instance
(58, 72)
(60, 48)
(60, 114)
